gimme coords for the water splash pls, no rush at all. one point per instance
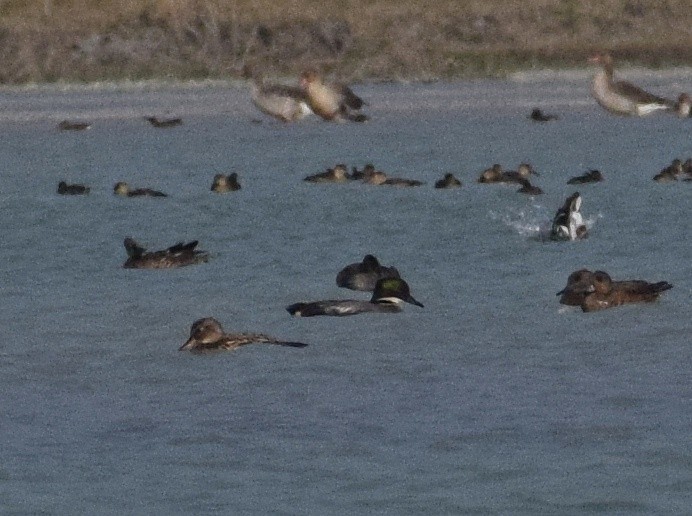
(534, 222)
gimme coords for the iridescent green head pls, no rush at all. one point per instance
(393, 289)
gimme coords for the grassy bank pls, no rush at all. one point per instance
(87, 40)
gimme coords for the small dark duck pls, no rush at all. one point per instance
(224, 184)
(178, 255)
(364, 275)
(538, 116)
(358, 175)
(528, 188)
(75, 189)
(670, 173)
(401, 181)
(124, 189)
(591, 176)
(448, 181)
(594, 291)
(521, 174)
(389, 296)
(163, 122)
(338, 174)
(207, 335)
(66, 125)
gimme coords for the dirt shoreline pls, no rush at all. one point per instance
(76, 41)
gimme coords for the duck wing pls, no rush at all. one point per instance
(628, 89)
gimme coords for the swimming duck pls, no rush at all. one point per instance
(684, 106)
(491, 175)
(373, 177)
(538, 116)
(207, 335)
(66, 125)
(338, 174)
(358, 175)
(568, 223)
(592, 176)
(364, 275)
(448, 181)
(528, 188)
(224, 184)
(670, 173)
(574, 292)
(163, 122)
(620, 97)
(523, 172)
(331, 101)
(75, 189)
(178, 255)
(599, 291)
(122, 188)
(400, 181)
(687, 167)
(283, 102)
(388, 297)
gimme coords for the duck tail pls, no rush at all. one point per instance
(291, 344)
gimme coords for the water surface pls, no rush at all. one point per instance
(491, 399)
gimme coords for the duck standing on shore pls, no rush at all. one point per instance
(283, 102)
(330, 100)
(621, 97)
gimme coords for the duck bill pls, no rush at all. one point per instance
(410, 299)
(188, 345)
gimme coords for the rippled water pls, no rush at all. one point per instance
(491, 399)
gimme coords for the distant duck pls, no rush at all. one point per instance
(492, 174)
(122, 188)
(620, 97)
(670, 173)
(224, 184)
(163, 122)
(683, 107)
(358, 175)
(568, 223)
(687, 168)
(448, 181)
(75, 189)
(592, 176)
(538, 116)
(528, 188)
(597, 291)
(374, 177)
(66, 125)
(207, 335)
(283, 102)
(388, 297)
(178, 255)
(364, 275)
(338, 174)
(400, 181)
(331, 101)
(523, 172)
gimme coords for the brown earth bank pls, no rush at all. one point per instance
(93, 40)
